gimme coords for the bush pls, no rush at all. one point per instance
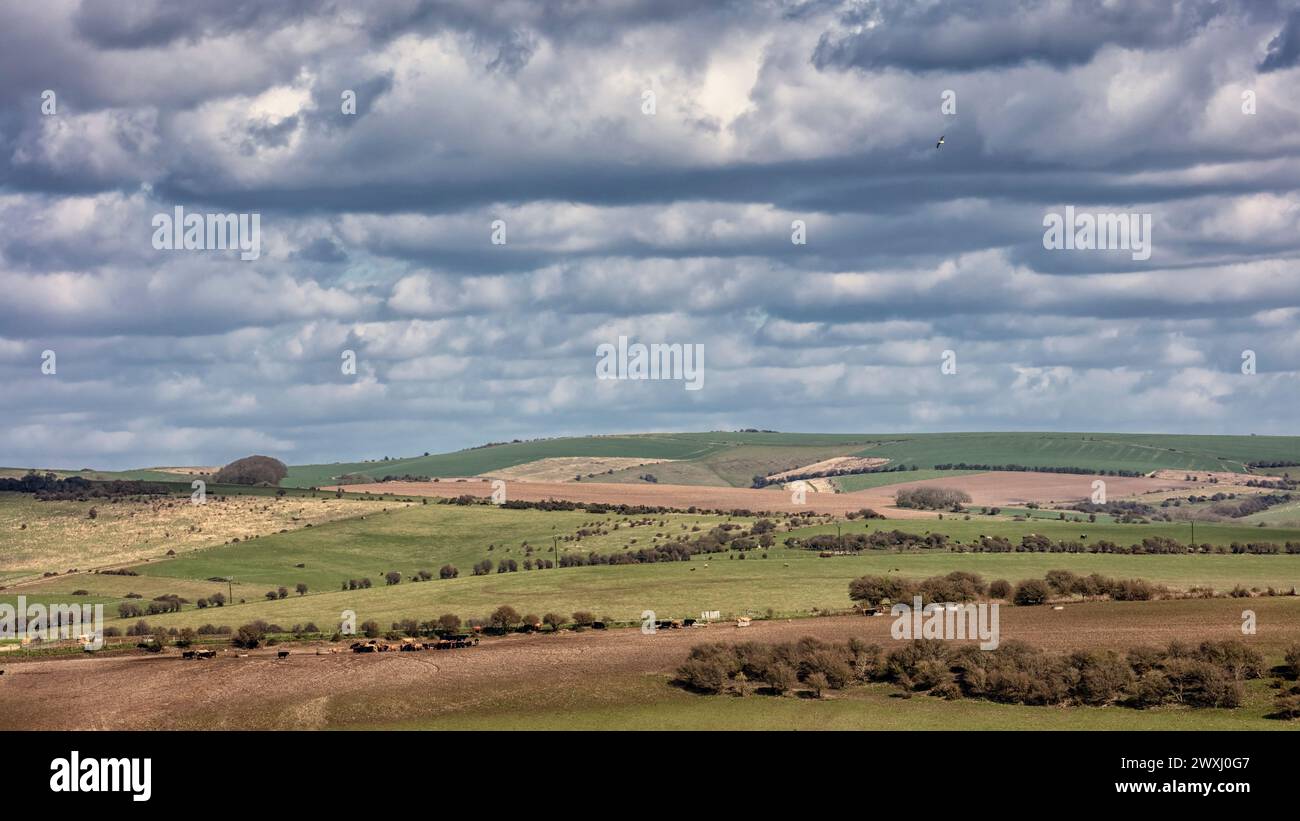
(584, 618)
(708, 668)
(1287, 706)
(1031, 592)
(505, 618)
(1000, 589)
(780, 678)
(554, 621)
(448, 572)
(250, 635)
(817, 683)
(1293, 661)
(449, 622)
(370, 629)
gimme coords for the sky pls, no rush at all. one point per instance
(519, 183)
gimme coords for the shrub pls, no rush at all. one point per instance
(1031, 592)
(1293, 661)
(448, 572)
(505, 618)
(1000, 589)
(780, 677)
(817, 683)
(250, 635)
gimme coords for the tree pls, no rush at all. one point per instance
(301, 587)
(370, 629)
(780, 677)
(448, 572)
(584, 618)
(505, 618)
(271, 595)
(449, 622)
(1031, 592)
(532, 621)
(252, 470)
(392, 577)
(817, 683)
(186, 637)
(1000, 589)
(553, 620)
(250, 635)
(217, 599)
(282, 592)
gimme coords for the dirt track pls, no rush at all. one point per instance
(991, 488)
(308, 691)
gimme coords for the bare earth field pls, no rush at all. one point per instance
(565, 468)
(994, 488)
(580, 671)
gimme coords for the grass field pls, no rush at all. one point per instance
(59, 535)
(407, 539)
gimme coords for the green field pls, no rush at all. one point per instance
(790, 582)
(865, 481)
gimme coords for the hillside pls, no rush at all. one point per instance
(733, 459)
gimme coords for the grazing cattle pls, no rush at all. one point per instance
(187, 654)
(205, 654)
(282, 654)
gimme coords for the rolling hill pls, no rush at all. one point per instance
(733, 459)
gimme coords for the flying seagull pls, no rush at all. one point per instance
(940, 143)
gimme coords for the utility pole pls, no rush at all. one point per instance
(555, 540)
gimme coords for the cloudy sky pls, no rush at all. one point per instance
(672, 226)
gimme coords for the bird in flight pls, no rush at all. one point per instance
(940, 143)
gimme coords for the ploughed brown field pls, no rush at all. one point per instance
(548, 672)
(994, 488)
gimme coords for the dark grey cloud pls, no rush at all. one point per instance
(955, 36)
(1284, 49)
(671, 227)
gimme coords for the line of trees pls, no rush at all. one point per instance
(1036, 469)
(1208, 675)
